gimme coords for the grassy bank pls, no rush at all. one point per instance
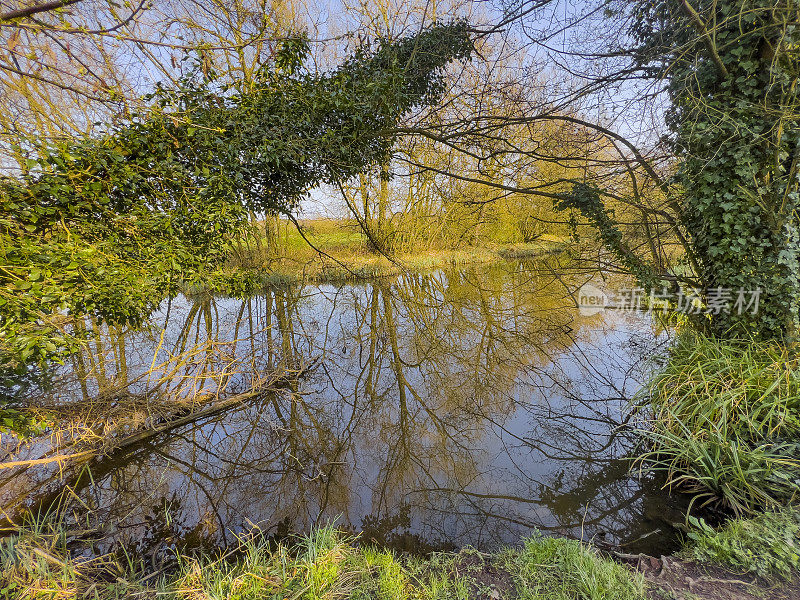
(326, 564)
(330, 250)
(745, 559)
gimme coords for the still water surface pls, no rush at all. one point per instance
(461, 407)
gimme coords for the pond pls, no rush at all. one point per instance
(466, 406)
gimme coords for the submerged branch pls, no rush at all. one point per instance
(113, 444)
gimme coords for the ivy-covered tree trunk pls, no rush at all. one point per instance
(109, 224)
(732, 70)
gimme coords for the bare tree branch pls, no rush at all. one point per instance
(701, 28)
(22, 13)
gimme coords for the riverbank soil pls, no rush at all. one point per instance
(671, 578)
(666, 578)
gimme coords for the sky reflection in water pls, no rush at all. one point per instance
(459, 407)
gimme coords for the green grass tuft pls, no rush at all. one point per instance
(561, 569)
(726, 422)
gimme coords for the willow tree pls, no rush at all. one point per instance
(110, 224)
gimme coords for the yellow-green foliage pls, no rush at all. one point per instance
(332, 250)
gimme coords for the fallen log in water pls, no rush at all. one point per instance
(112, 444)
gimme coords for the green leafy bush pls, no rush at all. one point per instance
(110, 224)
(767, 545)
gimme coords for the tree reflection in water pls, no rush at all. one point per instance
(459, 407)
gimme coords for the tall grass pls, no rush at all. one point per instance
(319, 566)
(725, 422)
(36, 563)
